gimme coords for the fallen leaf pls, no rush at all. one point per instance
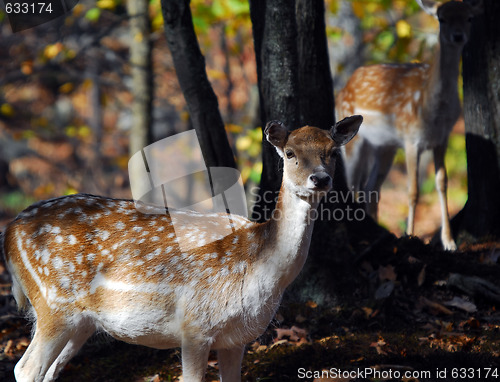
(492, 257)
(294, 333)
(378, 346)
(434, 308)
(387, 273)
(311, 304)
(462, 304)
(384, 290)
(368, 311)
(421, 276)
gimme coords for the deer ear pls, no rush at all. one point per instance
(429, 6)
(477, 7)
(346, 129)
(277, 134)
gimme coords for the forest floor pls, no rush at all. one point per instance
(407, 311)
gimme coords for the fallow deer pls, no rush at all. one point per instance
(413, 106)
(84, 263)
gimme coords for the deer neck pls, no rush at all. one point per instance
(289, 236)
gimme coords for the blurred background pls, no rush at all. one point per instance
(66, 97)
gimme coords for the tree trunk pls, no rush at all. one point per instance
(480, 217)
(296, 87)
(190, 68)
(315, 80)
(142, 77)
(275, 41)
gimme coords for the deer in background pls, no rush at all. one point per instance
(413, 106)
(83, 263)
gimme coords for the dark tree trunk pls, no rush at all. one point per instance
(296, 87)
(315, 80)
(275, 39)
(190, 68)
(481, 71)
(316, 97)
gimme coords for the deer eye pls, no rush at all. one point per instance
(289, 154)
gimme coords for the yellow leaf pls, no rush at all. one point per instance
(70, 53)
(215, 74)
(232, 128)
(70, 191)
(52, 50)
(403, 29)
(243, 143)
(84, 131)
(78, 10)
(245, 174)
(71, 131)
(7, 110)
(106, 4)
(358, 8)
(87, 84)
(257, 167)
(66, 88)
(157, 22)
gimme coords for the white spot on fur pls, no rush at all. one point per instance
(57, 262)
(104, 235)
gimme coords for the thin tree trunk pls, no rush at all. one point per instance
(142, 75)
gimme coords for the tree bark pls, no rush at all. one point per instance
(481, 71)
(275, 41)
(190, 68)
(315, 80)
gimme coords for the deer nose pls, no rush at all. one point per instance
(458, 37)
(321, 180)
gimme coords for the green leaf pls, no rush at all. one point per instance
(93, 14)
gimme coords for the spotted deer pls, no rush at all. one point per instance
(84, 263)
(413, 106)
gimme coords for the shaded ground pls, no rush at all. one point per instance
(398, 313)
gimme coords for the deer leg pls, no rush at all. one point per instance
(385, 157)
(230, 364)
(412, 159)
(441, 187)
(43, 350)
(80, 336)
(355, 163)
(194, 360)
